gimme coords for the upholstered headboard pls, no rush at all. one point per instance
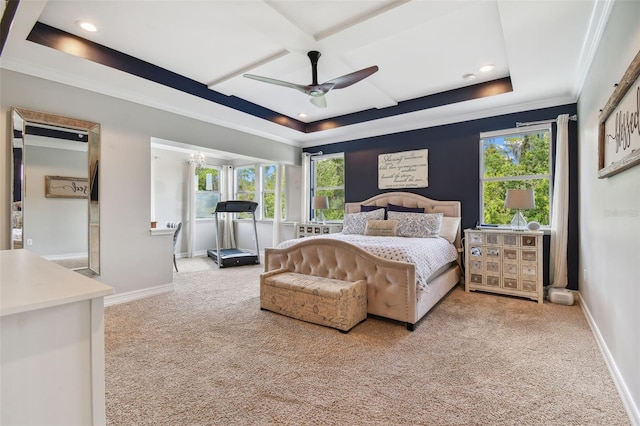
(408, 199)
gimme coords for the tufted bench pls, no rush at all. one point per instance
(325, 301)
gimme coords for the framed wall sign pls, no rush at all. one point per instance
(619, 129)
(65, 187)
(406, 169)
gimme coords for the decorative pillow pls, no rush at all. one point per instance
(417, 225)
(449, 228)
(395, 208)
(355, 223)
(381, 228)
(364, 208)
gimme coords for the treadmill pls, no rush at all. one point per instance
(233, 256)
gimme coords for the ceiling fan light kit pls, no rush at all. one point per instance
(315, 90)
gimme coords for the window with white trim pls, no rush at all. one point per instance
(245, 187)
(207, 191)
(269, 173)
(517, 158)
(327, 172)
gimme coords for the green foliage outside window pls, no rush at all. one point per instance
(245, 187)
(517, 161)
(329, 182)
(269, 192)
(207, 195)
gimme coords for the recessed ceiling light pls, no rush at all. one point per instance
(302, 115)
(87, 26)
(486, 68)
(469, 77)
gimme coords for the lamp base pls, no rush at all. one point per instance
(319, 216)
(518, 223)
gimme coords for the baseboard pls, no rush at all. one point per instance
(65, 256)
(130, 296)
(618, 380)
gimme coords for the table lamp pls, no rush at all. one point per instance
(319, 204)
(519, 199)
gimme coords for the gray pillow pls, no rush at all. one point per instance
(355, 223)
(417, 225)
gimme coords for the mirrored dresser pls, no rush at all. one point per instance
(504, 261)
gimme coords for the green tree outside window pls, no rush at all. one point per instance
(245, 187)
(516, 160)
(208, 192)
(329, 182)
(269, 192)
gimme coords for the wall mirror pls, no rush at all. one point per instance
(55, 209)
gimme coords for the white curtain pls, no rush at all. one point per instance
(277, 210)
(226, 194)
(306, 187)
(191, 228)
(560, 207)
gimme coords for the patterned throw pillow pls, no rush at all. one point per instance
(355, 223)
(364, 208)
(417, 225)
(381, 228)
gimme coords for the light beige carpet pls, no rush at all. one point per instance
(207, 355)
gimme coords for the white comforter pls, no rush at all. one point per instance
(427, 254)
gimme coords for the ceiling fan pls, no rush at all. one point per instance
(315, 90)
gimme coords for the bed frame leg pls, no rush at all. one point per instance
(410, 326)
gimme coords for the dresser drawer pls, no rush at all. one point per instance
(510, 283)
(504, 261)
(510, 268)
(528, 285)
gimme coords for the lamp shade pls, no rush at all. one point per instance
(320, 203)
(521, 199)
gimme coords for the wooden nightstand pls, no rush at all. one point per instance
(504, 261)
(310, 229)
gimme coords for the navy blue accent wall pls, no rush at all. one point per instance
(454, 161)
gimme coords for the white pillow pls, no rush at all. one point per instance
(449, 228)
(417, 225)
(355, 223)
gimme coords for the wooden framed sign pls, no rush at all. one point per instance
(65, 187)
(619, 129)
(406, 169)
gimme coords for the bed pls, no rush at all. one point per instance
(395, 290)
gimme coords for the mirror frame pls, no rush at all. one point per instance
(93, 172)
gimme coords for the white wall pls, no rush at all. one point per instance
(55, 226)
(131, 259)
(610, 213)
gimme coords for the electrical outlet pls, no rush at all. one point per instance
(29, 242)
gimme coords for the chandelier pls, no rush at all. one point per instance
(199, 161)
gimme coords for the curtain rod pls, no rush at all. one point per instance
(573, 117)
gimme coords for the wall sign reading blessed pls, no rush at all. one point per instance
(65, 187)
(408, 169)
(619, 133)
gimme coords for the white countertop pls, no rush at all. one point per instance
(29, 282)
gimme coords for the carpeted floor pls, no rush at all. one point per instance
(207, 355)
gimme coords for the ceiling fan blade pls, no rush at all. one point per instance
(319, 101)
(354, 77)
(299, 87)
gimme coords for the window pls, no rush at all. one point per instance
(328, 180)
(515, 159)
(245, 187)
(208, 191)
(269, 192)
